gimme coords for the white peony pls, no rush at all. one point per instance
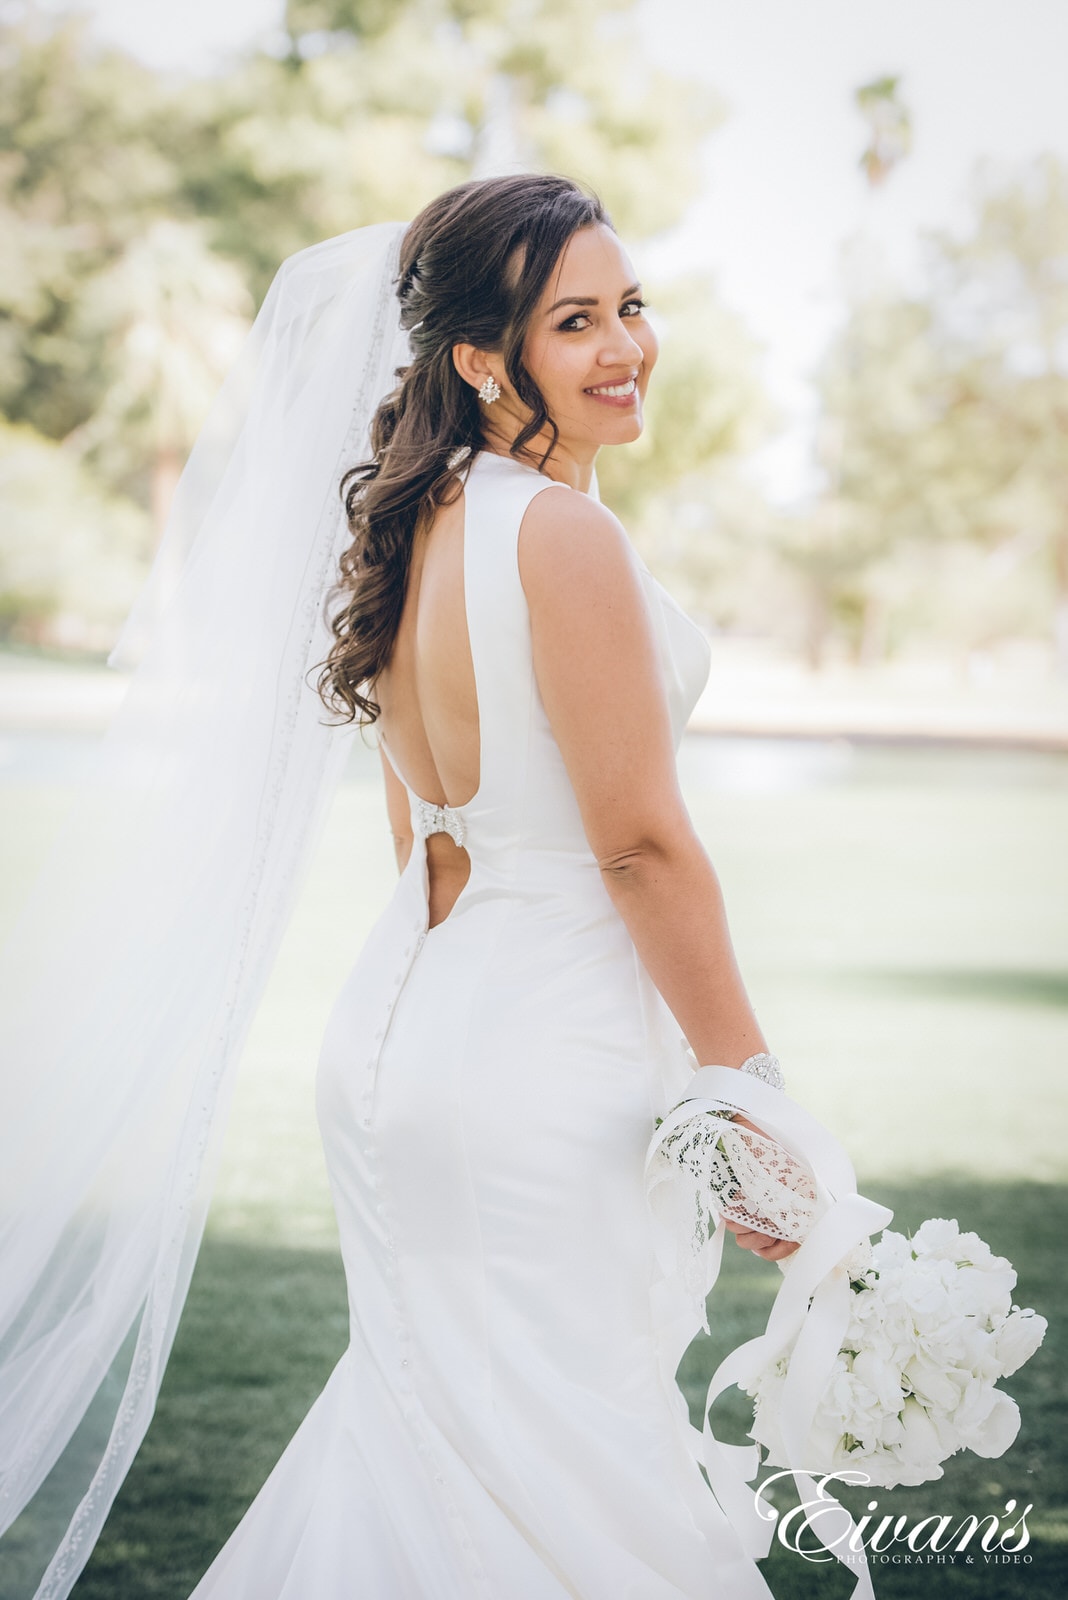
(937, 1236)
(984, 1291)
(919, 1446)
(882, 1377)
(993, 1436)
(972, 1248)
(931, 1329)
(1017, 1338)
(891, 1248)
(932, 1384)
(977, 1351)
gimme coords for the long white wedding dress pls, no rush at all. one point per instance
(505, 1422)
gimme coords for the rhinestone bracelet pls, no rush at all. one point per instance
(765, 1067)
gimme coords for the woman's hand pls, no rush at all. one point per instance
(764, 1245)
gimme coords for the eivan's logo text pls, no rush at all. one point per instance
(931, 1541)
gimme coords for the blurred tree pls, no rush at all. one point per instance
(870, 384)
(706, 407)
(373, 107)
(889, 468)
(173, 317)
(946, 416)
(1003, 295)
(889, 127)
(282, 153)
(111, 324)
(71, 555)
(83, 168)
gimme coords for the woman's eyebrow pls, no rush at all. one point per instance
(589, 299)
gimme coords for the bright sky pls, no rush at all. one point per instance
(982, 78)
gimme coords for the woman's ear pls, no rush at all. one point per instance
(475, 366)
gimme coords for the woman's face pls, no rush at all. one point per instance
(589, 348)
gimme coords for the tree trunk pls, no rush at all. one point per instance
(1060, 606)
(818, 625)
(871, 648)
(166, 470)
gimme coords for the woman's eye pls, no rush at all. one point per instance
(629, 308)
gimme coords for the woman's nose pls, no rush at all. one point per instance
(619, 348)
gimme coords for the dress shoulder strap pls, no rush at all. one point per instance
(497, 492)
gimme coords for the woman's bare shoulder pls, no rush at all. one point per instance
(567, 538)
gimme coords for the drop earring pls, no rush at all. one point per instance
(490, 391)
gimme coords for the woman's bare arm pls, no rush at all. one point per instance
(399, 813)
(598, 669)
(599, 673)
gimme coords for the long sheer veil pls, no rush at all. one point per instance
(137, 962)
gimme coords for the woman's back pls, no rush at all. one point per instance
(427, 692)
(431, 727)
(486, 1087)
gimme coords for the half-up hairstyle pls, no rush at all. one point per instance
(473, 266)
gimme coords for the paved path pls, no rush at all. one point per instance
(750, 692)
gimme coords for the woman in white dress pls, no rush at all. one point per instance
(503, 1423)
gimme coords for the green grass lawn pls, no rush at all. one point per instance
(903, 931)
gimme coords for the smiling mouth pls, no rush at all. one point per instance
(614, 391)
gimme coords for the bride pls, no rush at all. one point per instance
(504, 1422)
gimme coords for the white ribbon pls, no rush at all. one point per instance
(813, 1303)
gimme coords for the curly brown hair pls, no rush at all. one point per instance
(473, 266)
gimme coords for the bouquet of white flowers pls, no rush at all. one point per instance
(878, 1361)
(932, 1328)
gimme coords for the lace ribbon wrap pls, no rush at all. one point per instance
(793, 1180)
(735, 1172)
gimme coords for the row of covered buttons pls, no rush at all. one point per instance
(381, 1210)
(403, 1332)
(367, 1098)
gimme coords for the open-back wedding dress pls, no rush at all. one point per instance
(505, 1423)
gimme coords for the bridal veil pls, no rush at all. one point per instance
(135, 967)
